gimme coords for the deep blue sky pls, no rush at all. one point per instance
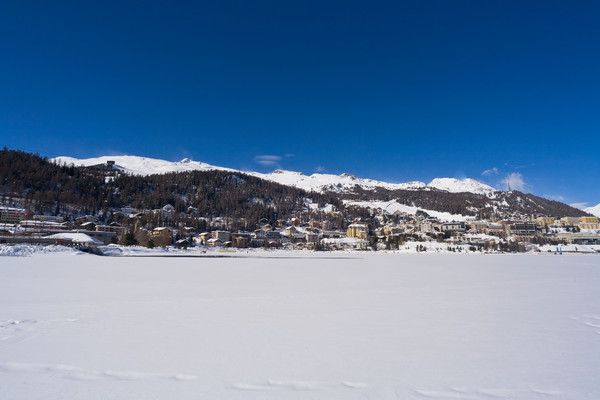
(395, 91)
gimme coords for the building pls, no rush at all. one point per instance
(589, 223)
(326, 225)
(346, 243)
(312, 237)
(359, 231)
(203, 238)
(290, 231)
(389, 230)
(453, 226)
(10, 215)
(162, 236)
(241, 239)
(543, 221)
(84, 219)
(478, 226)
(167, 211)
(426, 227)
(215, 242)
(569, 221)
(223, 236)
(495, 229)
(162, 231)
(113, 227)
(523, 228)
(579, 238)
(90, 226)
(35, 226)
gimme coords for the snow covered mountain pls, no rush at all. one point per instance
(140, 165)
(454, 185)
(593, 210)
(316, 182)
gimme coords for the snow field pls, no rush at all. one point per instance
(368, 326)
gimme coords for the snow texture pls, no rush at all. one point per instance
(338, 326)
(390, 207)
(26, 250)
(75, 237)
(593, 210)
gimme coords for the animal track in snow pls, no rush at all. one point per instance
(355, 385)
(248, 386)
(546, 392)
(482, 393)
(28, 328)
(592, 321)
(76, 373)
(297, 385)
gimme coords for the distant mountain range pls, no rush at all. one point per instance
(70, 186)
(454, 198)
(316, 182)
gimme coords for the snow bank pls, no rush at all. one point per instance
(76, 237)
(25, 250)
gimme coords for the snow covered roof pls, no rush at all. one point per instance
(75, 238)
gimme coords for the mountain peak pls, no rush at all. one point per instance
(455, 185)
(315, 182)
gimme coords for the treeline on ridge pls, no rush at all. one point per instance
(43, 186)
(466, 203)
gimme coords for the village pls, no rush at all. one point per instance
(332, 231)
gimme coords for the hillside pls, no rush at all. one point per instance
(42, 186)
(593, 210)
(466, 197)
(59, 187)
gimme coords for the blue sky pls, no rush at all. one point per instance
(396, 91)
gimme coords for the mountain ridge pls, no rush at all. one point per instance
(52, 188)
(144, 166)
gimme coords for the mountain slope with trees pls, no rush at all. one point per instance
(41, 186)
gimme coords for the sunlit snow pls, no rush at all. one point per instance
(300, 326)
(593, 210)
(315, 182)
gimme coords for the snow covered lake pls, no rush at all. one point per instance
(371, 326)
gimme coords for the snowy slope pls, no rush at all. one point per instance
(334, 183)
(315, 182)
(390, 207)
(593, 210)
(454, 185)
(141, 165)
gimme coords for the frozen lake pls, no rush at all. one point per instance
(373, 326)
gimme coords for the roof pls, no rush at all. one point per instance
(75, 238)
